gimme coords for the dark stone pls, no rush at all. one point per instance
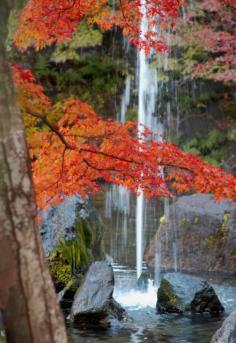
(206, 301)
(93, 302)
(66, 296)
(227, 332)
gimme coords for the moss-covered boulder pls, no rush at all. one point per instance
(179, 293)
(72, 239)
(167, 300)
(72, 256)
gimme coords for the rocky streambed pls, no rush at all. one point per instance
(143, 323)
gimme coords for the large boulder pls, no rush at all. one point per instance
(206, 301)
(93, 302)
(72, 238)
(180, 293)
(227, 332)
(59, 222)
(198, 234)
(167, 299)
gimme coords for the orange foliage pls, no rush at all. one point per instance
(44, 22)
(73, 154)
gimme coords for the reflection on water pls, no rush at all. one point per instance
(144, 325)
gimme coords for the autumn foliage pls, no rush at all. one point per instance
(211, 26)
(73, 150)
(43, 22)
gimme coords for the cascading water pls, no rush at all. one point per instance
(147, 94)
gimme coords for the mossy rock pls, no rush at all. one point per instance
(167, 300)
(71, 257)
(60, 271)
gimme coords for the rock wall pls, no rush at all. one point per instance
(72, 238)
(199, 235)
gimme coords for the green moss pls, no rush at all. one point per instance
(166, 295)
(72, 256)
(196, 220)
(60, 271)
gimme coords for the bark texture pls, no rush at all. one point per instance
(27, 297)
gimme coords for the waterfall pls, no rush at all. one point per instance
(147, 94)
(134, 215)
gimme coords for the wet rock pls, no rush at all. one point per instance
(206, 301)
(199, 235)
(227, 332)
(179, 293)
(142, 283)
(167, 300)
(93, 302)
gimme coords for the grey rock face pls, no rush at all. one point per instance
(198, 235)
(59, 221)
(93, 301)
(227, 332)
(180, 293)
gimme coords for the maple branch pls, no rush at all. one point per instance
(105, 169)
(53, 128)
(67, 145)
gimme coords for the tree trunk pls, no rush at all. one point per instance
(27, 297)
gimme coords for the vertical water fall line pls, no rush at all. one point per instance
(147, 92)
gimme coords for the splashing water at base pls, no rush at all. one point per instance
(135, 298)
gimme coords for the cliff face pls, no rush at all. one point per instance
(199, 235)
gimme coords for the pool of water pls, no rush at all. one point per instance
(145, 325)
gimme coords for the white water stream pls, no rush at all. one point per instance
(147, 96)
(118, 198)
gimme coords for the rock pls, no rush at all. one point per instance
(72, 239)
(93, 302)
(60, 221)
(167, 300)
(142, 283)
(199, 235)
(66, 296)
(227, 332)
(206, 301)
(180, 293)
